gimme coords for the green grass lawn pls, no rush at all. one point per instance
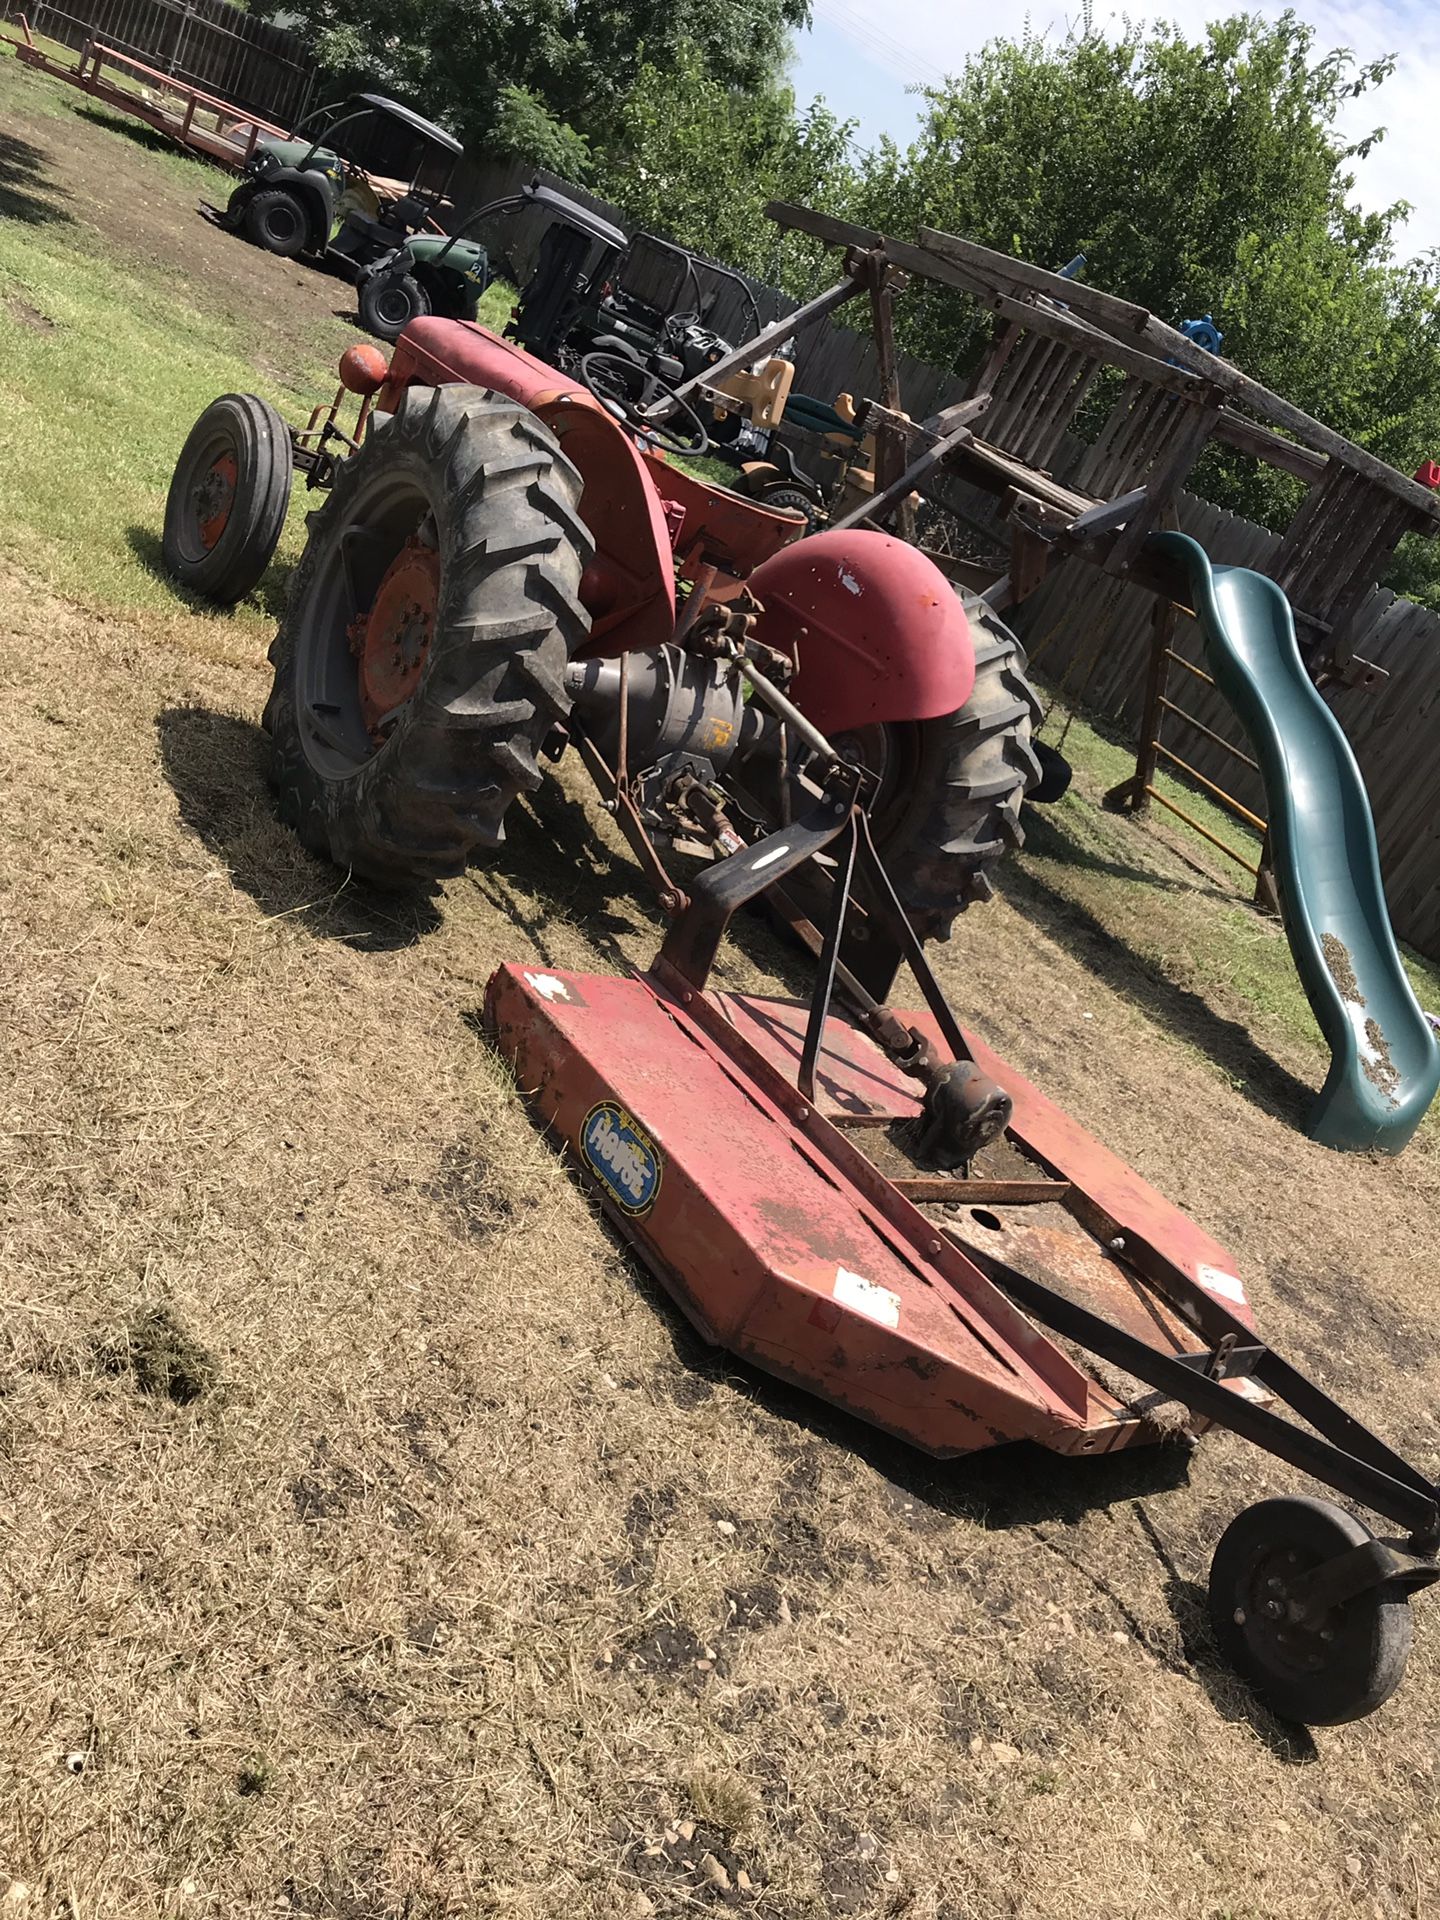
(108, 362)
(96, 397)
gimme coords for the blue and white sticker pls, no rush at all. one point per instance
(622, 1156)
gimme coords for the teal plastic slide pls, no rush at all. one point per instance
(1385, 1061)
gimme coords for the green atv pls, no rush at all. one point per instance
(319, 198)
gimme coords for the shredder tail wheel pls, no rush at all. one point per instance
(228, 498)
(422, 656)
(1320, 1672)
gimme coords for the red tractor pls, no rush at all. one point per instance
(505, 563)
(507, 566)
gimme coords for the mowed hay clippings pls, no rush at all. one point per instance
(468, 1584)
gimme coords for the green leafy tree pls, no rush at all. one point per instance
(526, 129)
(697, 159)
(459, 59)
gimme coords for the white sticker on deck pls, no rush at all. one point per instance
(1225, 1284)
(875, 1302)
(547, 986)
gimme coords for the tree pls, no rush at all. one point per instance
(459, 59)
(525, 129)
(696, 159)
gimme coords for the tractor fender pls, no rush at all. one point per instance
(314, 193)
(629, 587)
(875, 629)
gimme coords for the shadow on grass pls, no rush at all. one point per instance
(217, 766)
(1046, 836)
(138, 131)
(553, 873)
(269, 596)
(1259, 1076)
(553, 851)
(26, 192)
(1190, 1604)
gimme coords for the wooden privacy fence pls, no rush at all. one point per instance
(205, 43)
(1092, 633)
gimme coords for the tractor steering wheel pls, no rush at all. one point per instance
(644, 401)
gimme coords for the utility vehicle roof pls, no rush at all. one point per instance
(427, 129)
(576, 215)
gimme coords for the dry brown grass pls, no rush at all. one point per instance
(423, 1606)
(376, 1543)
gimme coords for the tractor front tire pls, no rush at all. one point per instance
(442, 575)
(389, 302)
(276, 221)
(228, 498)
(950, 810)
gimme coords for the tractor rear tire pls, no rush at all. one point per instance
(467, 490)
(276, 221)
(389, 302)
(228, 498)
(955, 810)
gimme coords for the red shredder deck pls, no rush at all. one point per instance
(781, 1241)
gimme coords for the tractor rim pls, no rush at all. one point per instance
(392, 641)
(362, 649)
(210, 487)
(214, 499)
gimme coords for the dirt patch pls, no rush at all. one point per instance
(649, 1512)
(691, 1864)
(673, 1649)
(28, 316)
(329, 1489)
(466, 1186)
(758, 1606)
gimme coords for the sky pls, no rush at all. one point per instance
(863, 54)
